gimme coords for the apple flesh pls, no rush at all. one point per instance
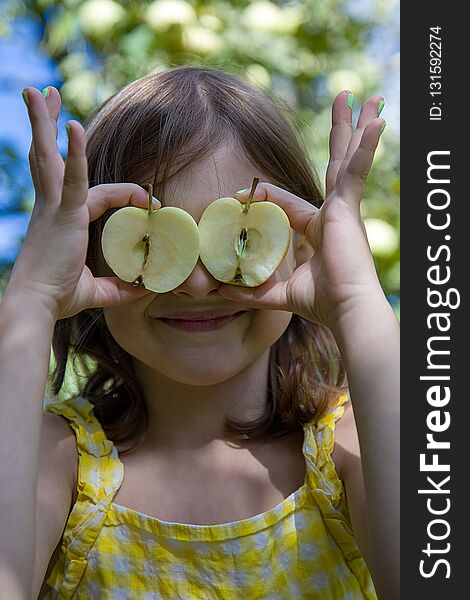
(155, 249)
(243, 247)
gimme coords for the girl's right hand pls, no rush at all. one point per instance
(50, 267)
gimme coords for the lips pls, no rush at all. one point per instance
(201, 315)
(200, 321)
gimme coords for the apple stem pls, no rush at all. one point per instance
(250, 197)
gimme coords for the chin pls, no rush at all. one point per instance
(197, 369)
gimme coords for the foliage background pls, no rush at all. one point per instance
(305, 51)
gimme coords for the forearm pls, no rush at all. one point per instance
(25, 342)
(369, 344)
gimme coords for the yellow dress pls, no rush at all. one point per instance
(303, 548)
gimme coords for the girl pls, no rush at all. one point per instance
(212, 452)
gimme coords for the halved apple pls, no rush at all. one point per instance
(156, 249)
(243, 244)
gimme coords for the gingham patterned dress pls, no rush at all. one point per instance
(302, 548)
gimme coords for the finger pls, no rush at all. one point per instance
(340, 135)
(369, 111)
(48, 161)
(300, 212)
(75, 183)
(351, 184)
(116, 195)
(53, 103)
(112, 291)
(271, 295)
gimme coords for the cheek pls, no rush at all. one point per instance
(268, 327)
(127, 327)
(192, 363)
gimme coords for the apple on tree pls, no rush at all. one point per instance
(156, 249)
(243, 244)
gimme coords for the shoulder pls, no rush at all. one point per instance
(58, 449)
(346, 452)
(56, 476)
(348, 465)
(57, 432)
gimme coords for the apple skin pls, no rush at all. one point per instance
(172, 254)
(268, 237)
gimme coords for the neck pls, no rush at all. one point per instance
(186, 416)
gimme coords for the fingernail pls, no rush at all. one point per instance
(45, 92)
(383, 127)
(380, 107)
(350, 100)
(242, 191)
(67, 129)
(25, 97)
(156, 202)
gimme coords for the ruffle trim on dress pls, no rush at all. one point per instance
(329, 493)
(100, 473)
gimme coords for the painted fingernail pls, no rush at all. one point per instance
(25, 97)
(383, 127)
(67, 129)
(156, 202)
(45, 92)
(380, 107)
(242, 191)
(350, 100)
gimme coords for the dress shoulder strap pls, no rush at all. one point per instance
(100, 473)
(328, 491)
(319, 444)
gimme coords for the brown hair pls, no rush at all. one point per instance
(166, 121)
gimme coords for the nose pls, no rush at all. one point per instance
(199, 284)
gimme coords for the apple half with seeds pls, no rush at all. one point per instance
(243, 244)
(155, 249)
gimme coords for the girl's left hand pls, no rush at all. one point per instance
(340, 275)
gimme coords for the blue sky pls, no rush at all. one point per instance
(22, 64)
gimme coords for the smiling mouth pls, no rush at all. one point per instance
(200, 325)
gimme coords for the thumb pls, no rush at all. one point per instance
(270, 295)
(112, 291)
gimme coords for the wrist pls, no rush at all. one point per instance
(19, 304)
(368, 318)
(368, 339)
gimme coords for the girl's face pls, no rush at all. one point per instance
(207, 357)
